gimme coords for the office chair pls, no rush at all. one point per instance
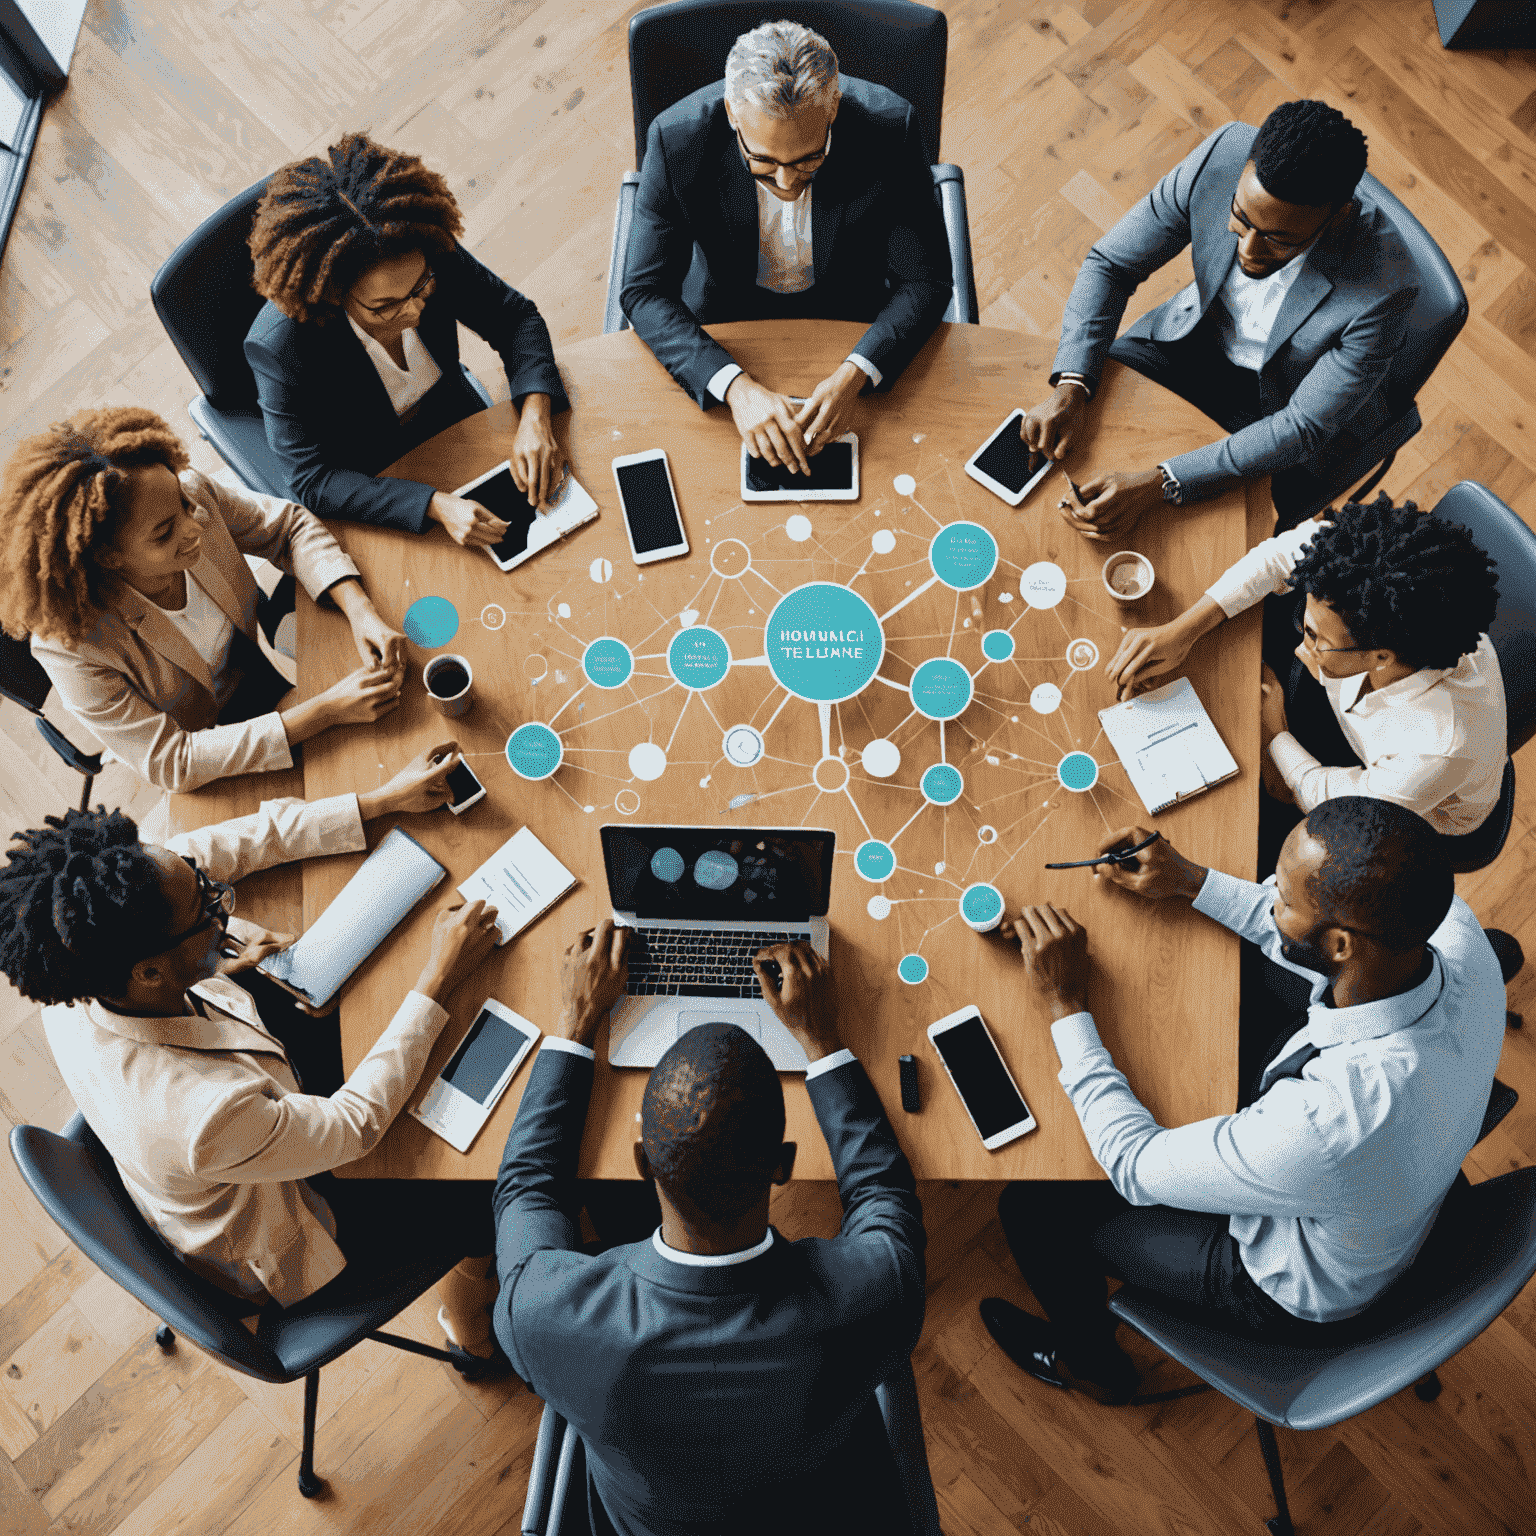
(204, 298)
(77, 1183)
(23, 682)
(675, 49)
(559, 1461)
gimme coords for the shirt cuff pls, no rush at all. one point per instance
(1224, 898)
(1291, 758)
(340, 820)
(423, 1010)
(827, 1063)
(867, 366)
(721, 382)
(1075, 1036)
(556, 1043)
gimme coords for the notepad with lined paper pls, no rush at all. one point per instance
(1167, 745)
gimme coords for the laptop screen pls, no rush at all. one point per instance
(727, 874)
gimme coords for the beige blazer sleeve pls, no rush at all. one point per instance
(277, 833)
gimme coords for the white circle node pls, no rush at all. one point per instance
(493, 615)
(831, 775)
(879, 908)
(904, 484)
(564, 610)
(1043, 584)
(1082, 654)
(881, 759)
(647, 761)
(601, 570)
(1045, 698)
(535, 668)
(798, 528)
(883, 542)
(626, 802)
(730, 558)
(986, 834)
(743, 745)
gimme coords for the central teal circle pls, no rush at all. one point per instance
(667, 865)
(431, 621)
(608, 662)
(875, 860)
(1078, 771)
(981, 903)
(698, 657)
(942, 784)
(940, 688)
(997, 645)
(963, 555)
(534, 751)
(912, 969)
(823, 642)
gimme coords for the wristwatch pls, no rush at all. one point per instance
(1172, 490)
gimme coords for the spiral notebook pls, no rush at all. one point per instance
(1167, 745)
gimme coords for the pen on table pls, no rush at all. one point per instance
(1119, 856)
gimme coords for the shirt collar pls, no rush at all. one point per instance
(711, 1260)
(1384, 1016)
(1403, 691)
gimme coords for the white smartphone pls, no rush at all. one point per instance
(834, 475)
(467, 1090)
(466, 789)
(1002, 463)
(528, 529)
(981, 1078)
(651, 518)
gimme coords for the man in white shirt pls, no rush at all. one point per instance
(748, 210)
(1301, 299)
(1295, 1214)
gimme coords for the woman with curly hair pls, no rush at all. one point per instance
(1391, 615)
(126, 567)
(356, 352)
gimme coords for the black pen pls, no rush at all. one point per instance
(1075, 491)
(1122, 856)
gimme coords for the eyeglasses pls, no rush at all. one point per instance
(1277, 243)
(218, 902)
(1312, 642)
(392, 307)
(809, 164)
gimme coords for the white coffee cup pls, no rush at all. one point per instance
(981, 907)
(1123, 567)
(451, 705)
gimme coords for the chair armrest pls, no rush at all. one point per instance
(949, 188)
(623, 216)
(82, 762)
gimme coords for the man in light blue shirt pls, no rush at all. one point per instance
(1298, 1211)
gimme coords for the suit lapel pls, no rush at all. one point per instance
(1306, 293)
(150, 624)
(220, 1031)
(352, 356)
(738, 206)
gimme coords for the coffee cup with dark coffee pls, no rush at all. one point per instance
(448, 680)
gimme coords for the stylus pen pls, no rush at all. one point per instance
(1123, 856)
(1075, 491)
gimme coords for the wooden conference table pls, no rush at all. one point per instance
(1164, 988)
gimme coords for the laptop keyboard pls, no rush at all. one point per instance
(683, 962)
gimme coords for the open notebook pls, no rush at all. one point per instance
(1167, 744)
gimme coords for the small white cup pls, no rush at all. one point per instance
(1116, 566)
(459, 702)
(986, 902)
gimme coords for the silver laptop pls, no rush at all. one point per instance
(702, 902)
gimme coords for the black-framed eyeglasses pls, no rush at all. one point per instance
(218, 902)
(1313, 643)
(808, 164)
(1276, 243)
(392, 307)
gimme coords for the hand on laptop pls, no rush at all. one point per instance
(804, 996)
(592, 980)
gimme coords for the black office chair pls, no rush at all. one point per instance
(204, 298)
(77, 1183)
(676, 49)
(23, 682)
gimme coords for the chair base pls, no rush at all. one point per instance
(1280, 1523)
(1427, 1388)
(165, 1338)
(1513, 1020)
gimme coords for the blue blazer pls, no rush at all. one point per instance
(878, 245)
(327, 413)
(1334, 338)
(737, 1398)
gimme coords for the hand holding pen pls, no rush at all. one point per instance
(1118, 856)
(1146, 864)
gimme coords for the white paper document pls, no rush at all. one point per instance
(522, 879)
(1167, 744)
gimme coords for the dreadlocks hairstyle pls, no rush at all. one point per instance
(324, 221)
(80, 905)
(61, 501)
(1402, 580)
(1386, 873)
(713, 1121)
(1310, 154)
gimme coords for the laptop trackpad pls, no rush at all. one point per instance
(747, 1021)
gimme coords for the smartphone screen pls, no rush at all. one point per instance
(648, 506)
(462, 784)
(483, 1055)
(501, 498)
(980, 1076)
(831, 470)
(1006, 458)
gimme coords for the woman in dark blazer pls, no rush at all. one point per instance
(356, 352)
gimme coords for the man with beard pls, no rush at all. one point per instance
(1293, 1215)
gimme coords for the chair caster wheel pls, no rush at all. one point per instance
(1278, 1525)
(165, 1338)
(1427, 1390)
(310, 1485)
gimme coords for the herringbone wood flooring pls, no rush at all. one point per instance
(1061, 112)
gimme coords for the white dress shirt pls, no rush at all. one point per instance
(1246, 309)
(209, 630)
(1435, 741)
(405, 385)
(1334, 1177)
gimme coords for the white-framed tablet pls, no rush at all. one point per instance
(1002, 463)
(981, 1077)
(653, 522)
(528, 529)
(466, 1092)
(834, 475)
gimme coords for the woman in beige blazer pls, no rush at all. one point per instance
(126, 567)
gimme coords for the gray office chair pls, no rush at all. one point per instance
(23, 682)
(559, 1463)
(676, 49)
(77, 1183)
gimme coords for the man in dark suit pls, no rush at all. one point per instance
(752, 205)
(721, 1378)
(1301, 298)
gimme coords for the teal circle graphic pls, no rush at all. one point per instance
(912, 969)
(698, 657)
(608, 662)
(823, 642)
(875, 860)
(1077, 771)
(715, 870)
(667, 865)
(997, 645)
(981, 903)
(963, 555)
(940, 688)
(534, 751)
(942, 784)
(431, 621)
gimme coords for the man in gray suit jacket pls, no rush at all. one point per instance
(721, 1378)
(1301, 297)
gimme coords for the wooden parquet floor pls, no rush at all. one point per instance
(1061, 112)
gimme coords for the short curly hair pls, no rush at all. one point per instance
(1310, 154)
(1402, 581)
(62, 497)
(80, 905)
(324, 221)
